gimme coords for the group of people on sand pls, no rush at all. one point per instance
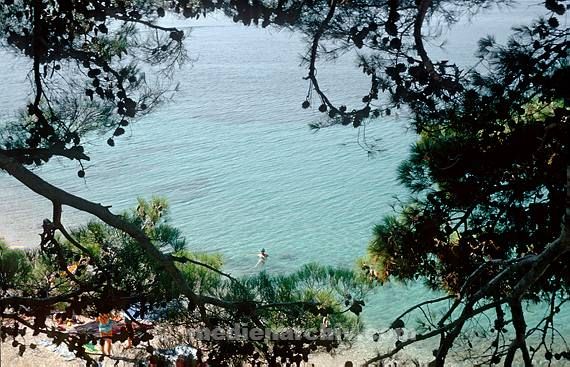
(105, 324)
(106, 320)
(62, 322)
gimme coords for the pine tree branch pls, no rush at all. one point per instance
(186, 259)
(444, 328)
(22, 154)
(61, 197)
(423, 7)
(534, 265)
(519, 342)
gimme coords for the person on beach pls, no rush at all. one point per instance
(106, 331)
(262, 258)
(59, 320)
(129, 328)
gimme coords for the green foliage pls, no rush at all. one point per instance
(152, 217)
(327, 288)
(15, 268)
(204, 280)
(127, 267)
(488, 172)
(87, 73)
(125, 272)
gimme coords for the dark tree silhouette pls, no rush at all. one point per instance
(87, 77)
(489, 173)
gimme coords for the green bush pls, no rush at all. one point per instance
(15, 267)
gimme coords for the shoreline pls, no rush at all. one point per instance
(15, 241)
(43, 356)
(362, 348)
(47, 353)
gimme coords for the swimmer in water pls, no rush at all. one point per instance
(262, 258)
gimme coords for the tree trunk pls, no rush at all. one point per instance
(520, 336)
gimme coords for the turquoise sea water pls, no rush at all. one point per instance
(233, 154)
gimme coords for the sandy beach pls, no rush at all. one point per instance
(49, 355)
(43, 357)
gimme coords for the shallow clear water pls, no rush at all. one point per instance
(234, 156)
